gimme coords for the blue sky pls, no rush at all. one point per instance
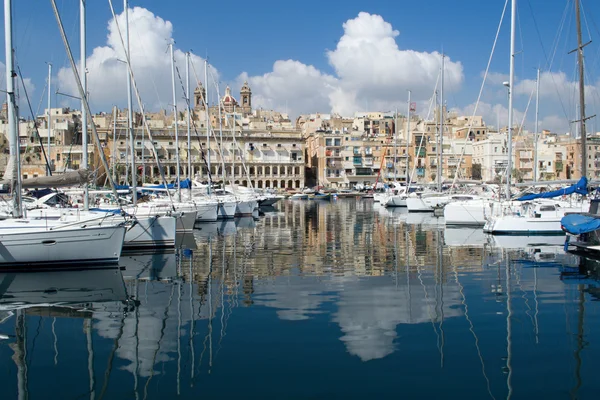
(245, 41)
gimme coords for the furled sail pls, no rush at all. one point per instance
(580, 187)
(72, 178)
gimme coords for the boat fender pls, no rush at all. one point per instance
(566, 246)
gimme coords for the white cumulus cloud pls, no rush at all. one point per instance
(371, 72)
(21, 98)
(150, 60)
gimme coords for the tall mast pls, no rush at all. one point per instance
(130, 108)
(176, 125)
(224, 174)
(537, 110)
(49, 172)
(189, 139)
(396, 144)
(82, 93)
(12, 110)
(84, 121)
(408, 139)
(441, 138)
(581, 92)
(114, 148)
(207, 117)
(511, 79)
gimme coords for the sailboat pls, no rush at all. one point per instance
(25, 242)
(537, 214)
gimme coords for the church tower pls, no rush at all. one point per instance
(246, 99)
(199, 96)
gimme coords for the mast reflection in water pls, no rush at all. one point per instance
(310, 300)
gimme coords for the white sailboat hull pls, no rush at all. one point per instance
(151, 232)
(518, 225)
(245, 207)
(62, 246)
(417, 204)
(185, 221)
(468, 213)
(206, 212)
(396, 201)
(147, 231)
(227, 209)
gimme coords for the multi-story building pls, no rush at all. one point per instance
(573, 158)
(491, 156)
(247, 147)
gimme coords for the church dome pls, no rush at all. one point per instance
(228, 99)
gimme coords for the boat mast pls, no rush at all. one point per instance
(224, 174)
(535, 144)
(207, 118)
(582, 118)
(189, 139)
(396, 144)
(175, 122)
(82, 93)
(84, 119)
(408, 139)
(49, 114)
(114, 149)
(130, 108)
(511, 80)
(13, 132)
(441, 138)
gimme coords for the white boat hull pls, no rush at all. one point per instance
(467, 213)
(245, 208)
(518, 225)
(61, 246)
(416, 204)
(151, 232)
(206, 212)
(227, 209)
(396, 201)
(185, 221)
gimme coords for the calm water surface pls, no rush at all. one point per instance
(311, 300)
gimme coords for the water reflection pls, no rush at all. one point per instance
(284, 300)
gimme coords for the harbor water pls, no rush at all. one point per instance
(311, 300)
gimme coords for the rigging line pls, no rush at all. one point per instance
(556, 40)
(567, 45)
(37, 111)
(141, 106)
(187, 100)
(141, 44)
(37, 133)
(487, 69)
(520, 29)
(555, 44)
(587, 25)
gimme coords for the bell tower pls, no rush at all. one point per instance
(199, 96)
(246, 98)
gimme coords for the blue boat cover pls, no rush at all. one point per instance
(576, 224)
(162, 186)
(186, 184)
(108, 211)
(580, 187)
